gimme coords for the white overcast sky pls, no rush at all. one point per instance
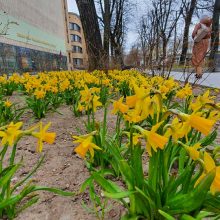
(141, 7)
(137, 13)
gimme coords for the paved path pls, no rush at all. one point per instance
(208, 79)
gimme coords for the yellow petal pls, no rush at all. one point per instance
(49, 137)
(81, 151)
(208, 162)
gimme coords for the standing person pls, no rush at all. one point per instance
(201, 36)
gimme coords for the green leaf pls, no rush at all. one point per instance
(212, 203)
(119, 195)
(30, 174)
(185, 203)
(203, 214)
(85, 184)
(208, 140)
(29, 203)
(107, 185)
(11, 201)
(7, 174)
(53, 190)
(166, 216)
(127, 173)
(187, 217)
(137, 166)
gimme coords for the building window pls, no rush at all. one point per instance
(77, 49)
(75, 27)
(76, 38)
(77, 61)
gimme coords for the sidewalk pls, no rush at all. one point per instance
(208, 79)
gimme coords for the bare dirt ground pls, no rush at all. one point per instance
(62, 168)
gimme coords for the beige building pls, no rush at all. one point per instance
(37, 37)
(77, 55)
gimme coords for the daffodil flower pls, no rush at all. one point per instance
(176, 129)
(202, 100)
(44, 136)
(135, 138)
(193, 151)
(118, 106)
(195, 121)
(209, 165)
(153, 140)
(7, 103)
(86, 144)
(199, 123)
(11, 133)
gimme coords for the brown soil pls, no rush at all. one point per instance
(62, 168)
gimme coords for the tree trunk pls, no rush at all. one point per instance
(164, 55)
(215, 34)
(92, 34)
(188, 20)
(107, 23)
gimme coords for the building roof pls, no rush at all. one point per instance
(73, 13)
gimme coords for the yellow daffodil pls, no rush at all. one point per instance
(86, 144)
(7, 103)
(132, 117)
(202, 100)
(201, 124)
(176, 130)
(209, 165)
(11, 133)
(39, 94)
(44, 136)
(193, 151)
(95, 103)
(153, 140)
(135, 138)
(195, 121)
(118, 106)
(184, 92)
(214, 115)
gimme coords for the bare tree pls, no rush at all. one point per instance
(115, 14)
(167, 14)
(106, 8)
(148, 36)
(143, 36)
(189, 7)
(133, 58)
(92, 33)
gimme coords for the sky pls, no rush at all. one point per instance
(138, 11)
(141, 7)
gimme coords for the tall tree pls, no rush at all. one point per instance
(189, 7)
(106, 7)
(115, 14)
(215, 32)
(148, 38)
(167, 14)
(92, 33)
(107, 29)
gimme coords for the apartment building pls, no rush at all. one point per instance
(77, 55)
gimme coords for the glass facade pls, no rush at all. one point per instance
(20, 59)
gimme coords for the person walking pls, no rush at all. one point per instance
(201, 36)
